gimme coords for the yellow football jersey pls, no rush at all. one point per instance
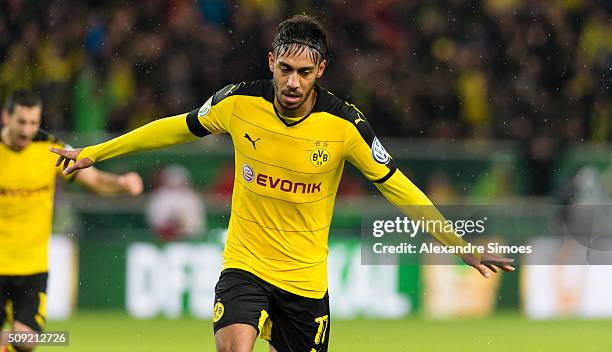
(27, 184)
(287, 176)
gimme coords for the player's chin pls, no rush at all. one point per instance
(291, 105)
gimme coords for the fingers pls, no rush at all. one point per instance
(66, 163)
(71, 169)
(81, 164)
(489, 263)
(63, 153)
(64, 156)
(57, 151)
(494, 260)
(491, 267)
(506, 267)
(483, 270)
(59, 161)
(68, 169)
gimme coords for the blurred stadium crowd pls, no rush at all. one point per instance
(448, 69)
(536, 72)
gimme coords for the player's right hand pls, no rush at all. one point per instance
(67, 155)
(490, 261)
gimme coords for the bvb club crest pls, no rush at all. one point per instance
(218, 311)
(320, 155)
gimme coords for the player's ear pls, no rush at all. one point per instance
(5, 118)
(322, 66)
(271, 61)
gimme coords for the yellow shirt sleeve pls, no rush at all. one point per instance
(213, 117)
(154, 135)
(407, 197)
(366, 152)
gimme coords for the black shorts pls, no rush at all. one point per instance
(290, 322)
(22, 299)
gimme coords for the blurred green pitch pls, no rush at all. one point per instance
(93, 331)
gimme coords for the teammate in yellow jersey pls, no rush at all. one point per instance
(291, 139)
(27, 182)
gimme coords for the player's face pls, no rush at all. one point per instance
(294, 78)
(22, 125)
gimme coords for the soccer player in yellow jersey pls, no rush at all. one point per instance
(27, 182)
(291, 138)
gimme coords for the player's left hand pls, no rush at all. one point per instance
(131, 183)
(67, 155)
(488, 261)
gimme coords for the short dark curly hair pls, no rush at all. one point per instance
(298, 33)
(22, 97)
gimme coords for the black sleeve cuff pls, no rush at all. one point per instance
(194, 124)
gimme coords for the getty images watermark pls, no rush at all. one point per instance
(459, 228)
(530, 234)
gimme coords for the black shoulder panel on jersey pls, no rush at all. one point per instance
(260, 88)
(328, 102)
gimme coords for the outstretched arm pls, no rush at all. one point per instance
(365, 151)
(402, 193)
(155, 135)
(212, 117)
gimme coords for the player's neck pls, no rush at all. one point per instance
(6, 139)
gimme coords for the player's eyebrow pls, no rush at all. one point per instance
(283, 63)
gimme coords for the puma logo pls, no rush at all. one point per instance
(246, 135)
